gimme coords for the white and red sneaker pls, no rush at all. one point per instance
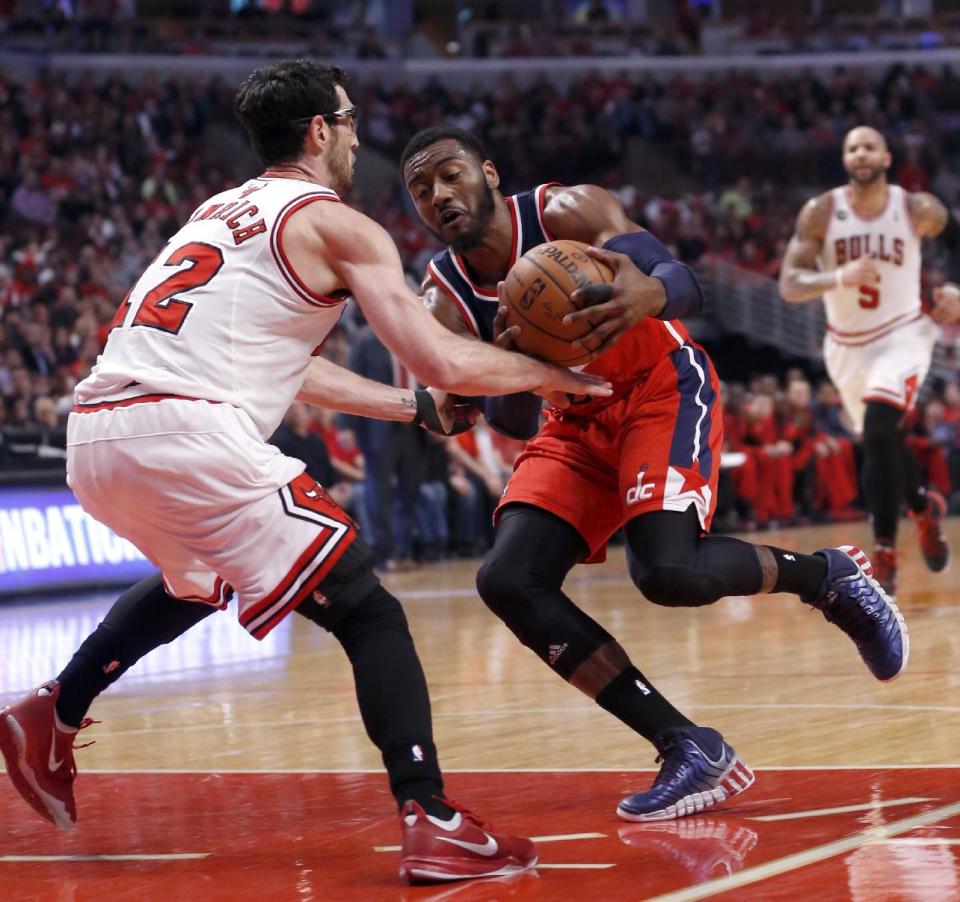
(461, 848)
(38, 750)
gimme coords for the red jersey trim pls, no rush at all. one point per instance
(280, 258)
(886, 331)
(447, 289)
(218, 598)
(541, 197)
(863, 216)
(864, 332)
(138, 399)
(517, 241)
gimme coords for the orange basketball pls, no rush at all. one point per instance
(538, 290)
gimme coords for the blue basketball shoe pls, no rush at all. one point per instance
(853, 600)
(699, 771)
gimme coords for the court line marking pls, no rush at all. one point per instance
(809, 856)
(511, 712)
(505, 770)
(585, 867)
(844, 809)
(918, 841)
(557, 837)
(172, 856)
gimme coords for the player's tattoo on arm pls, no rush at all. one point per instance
(800, 279)
(929, 215)
(769, 569)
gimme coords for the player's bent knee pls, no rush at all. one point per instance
(349, 582)
(674, 585)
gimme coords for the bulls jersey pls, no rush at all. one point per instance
(859, 314)
(220, 314)
(644, 345)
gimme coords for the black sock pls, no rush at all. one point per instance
(142, 619)
(800, 574)
(393, 698)
(631, 698)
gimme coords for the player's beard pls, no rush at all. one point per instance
(876, 173)
(470, 237)
(341, 166)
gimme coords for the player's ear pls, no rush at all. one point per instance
(490, 174)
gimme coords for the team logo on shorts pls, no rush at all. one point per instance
(642, 491)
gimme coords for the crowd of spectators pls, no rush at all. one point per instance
(498, 29)
(96, 174)
(792, 458)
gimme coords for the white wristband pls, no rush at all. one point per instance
(840, 278)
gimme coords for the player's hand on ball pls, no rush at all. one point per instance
(504, 336)
(614, 307)
(946, 301)
(862, 271)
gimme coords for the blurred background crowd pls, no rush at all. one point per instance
(99, 166)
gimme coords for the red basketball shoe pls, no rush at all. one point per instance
(933, 540)
(458, 849)
(38, 750)
(884, 560)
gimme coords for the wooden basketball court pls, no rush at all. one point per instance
(225, 768)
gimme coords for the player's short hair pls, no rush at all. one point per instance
(274, 103)
(467, 140)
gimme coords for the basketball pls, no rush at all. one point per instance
(538, 290)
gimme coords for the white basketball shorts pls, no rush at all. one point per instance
(890, 369)
(219, 511)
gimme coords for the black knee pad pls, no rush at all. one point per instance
(532, 605)
(348, 583)
(377, 612)
(678, 584)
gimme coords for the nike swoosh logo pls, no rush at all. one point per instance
(487, 849)
(311, 494)
(52, 761)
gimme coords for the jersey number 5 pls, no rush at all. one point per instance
(160, 308)
(869, 297)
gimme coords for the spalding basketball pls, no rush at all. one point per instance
(538, 290)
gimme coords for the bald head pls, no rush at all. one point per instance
(866, 157)
(865, 134)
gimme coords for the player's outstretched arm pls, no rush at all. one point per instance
(365, 260)
(931, 219)
(800, 278)
(328, 385)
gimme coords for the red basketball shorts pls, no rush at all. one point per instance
(656, 448)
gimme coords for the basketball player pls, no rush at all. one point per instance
(645, 459)
(166, 443)
(859, 247)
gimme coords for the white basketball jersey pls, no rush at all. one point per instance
(857, 314)
(220, 314)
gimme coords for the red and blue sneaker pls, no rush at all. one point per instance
(853, 600)
(699, 771)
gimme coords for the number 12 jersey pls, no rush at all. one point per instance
(220, 314)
